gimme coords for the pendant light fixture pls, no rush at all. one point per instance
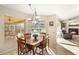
(35, 17)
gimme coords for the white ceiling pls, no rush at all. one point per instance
(63, 11)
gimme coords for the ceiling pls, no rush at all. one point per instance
(63, 11)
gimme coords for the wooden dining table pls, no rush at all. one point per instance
(34, 43)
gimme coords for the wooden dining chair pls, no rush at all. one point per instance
(23, 48)
(27, 36)
(42, 46)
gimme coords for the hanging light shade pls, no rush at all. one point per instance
(29, 19)
(35, 17)
(34, 22)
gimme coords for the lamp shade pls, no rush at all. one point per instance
(34, 22)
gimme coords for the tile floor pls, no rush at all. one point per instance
(6, 49)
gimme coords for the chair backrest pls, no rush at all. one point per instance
(43, 35)
(44, 43)
(21, 44)
(20, 35)
(23, 47)
(45, 38)
(27, 36)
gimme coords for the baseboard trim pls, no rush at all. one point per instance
(50, 51)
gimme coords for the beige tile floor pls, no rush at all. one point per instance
(59, 51)
(75, 40)
(74, 48)
(14, 52)
(8, 44)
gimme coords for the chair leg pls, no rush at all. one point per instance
(30, 52)
(18, 49)
(18, 52)
(46, 50)
(42, 51)
(36, 50)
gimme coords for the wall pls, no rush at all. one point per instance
(1, 30)
(8, 12)
(52, 31)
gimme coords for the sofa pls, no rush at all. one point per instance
(66, 35)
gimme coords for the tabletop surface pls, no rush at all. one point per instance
(32, 42)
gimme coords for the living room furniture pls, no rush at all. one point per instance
(66, 35)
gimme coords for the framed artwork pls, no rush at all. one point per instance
(51, 23)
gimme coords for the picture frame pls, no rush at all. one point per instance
(51, 23)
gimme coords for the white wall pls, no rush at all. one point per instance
(52, 31)
(1, 30)
(8, 12)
